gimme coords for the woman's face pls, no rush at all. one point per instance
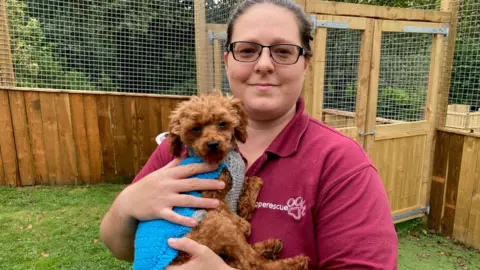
(268, 89)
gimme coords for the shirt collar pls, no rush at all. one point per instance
(286, 143)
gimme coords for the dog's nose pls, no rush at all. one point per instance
(212, 145)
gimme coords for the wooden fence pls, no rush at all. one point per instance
(77, 138)
(455, 193)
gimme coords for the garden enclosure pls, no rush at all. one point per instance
(86, 87)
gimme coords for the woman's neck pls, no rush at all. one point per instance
(262, 133)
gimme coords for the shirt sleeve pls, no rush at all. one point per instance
(160, 157)
(354, 227)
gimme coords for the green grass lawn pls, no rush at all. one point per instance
(57, 228)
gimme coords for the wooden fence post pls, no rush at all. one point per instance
(9, 174)
(453, 7)
(436, 186)
(201, 46)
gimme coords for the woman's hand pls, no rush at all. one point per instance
(156, 194)
(202, 256)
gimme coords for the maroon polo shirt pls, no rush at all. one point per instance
(322, 196)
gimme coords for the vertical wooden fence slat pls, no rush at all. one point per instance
(51, 138)
(455, 154)
(35, 127)
(122, 154)
(7, 143)
(79, 130)
(439, 175)
(131, 133)
(93, 138)
(67, 144)
(465, 188)
(7, 140)
(105, 127)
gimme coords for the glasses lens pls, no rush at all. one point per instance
(285, 54)
(246, 52)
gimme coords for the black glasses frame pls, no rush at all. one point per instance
(231, 46)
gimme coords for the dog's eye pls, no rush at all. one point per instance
(196, 129)
(222, 124)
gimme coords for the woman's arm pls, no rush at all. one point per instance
(355, 226)
(152, 196)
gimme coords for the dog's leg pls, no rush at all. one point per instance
(270, 248)
(248, 198)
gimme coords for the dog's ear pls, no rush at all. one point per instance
(240, 131)
(175, 142)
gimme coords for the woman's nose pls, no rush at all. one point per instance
(264, 62)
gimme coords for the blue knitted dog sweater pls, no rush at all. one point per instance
(151, 248)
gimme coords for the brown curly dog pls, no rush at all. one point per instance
(210, 125)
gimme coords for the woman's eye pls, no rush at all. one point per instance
(222, 124)
(196, 129)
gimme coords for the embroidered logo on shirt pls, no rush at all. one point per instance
(295, 207)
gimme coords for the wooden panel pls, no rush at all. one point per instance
(35, 129)
(465, 188)
(130, 117)
(67, 145)
(354, 23)
(371, 11)
(124, 166)
(439, 174)
(93, 138)
(402, 172)
(7, 143)
(22, 138)
(80, 137)
(383, 132)
(106, 139)
(50, 133)
(452, 179)
(351, 132)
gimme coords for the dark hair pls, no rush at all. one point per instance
(305, 28)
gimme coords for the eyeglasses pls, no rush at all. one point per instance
(284, 54)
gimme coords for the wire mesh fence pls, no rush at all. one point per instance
(463, 111)
(341, 68)
(122, 46)
(404, 74)
(150, 47)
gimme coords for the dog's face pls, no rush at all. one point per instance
(210, 125)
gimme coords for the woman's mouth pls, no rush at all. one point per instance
(263, 86)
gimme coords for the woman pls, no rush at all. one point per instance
(321, 195)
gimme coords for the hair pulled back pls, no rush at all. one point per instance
(304, 26)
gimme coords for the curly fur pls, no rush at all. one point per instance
(215, 119)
